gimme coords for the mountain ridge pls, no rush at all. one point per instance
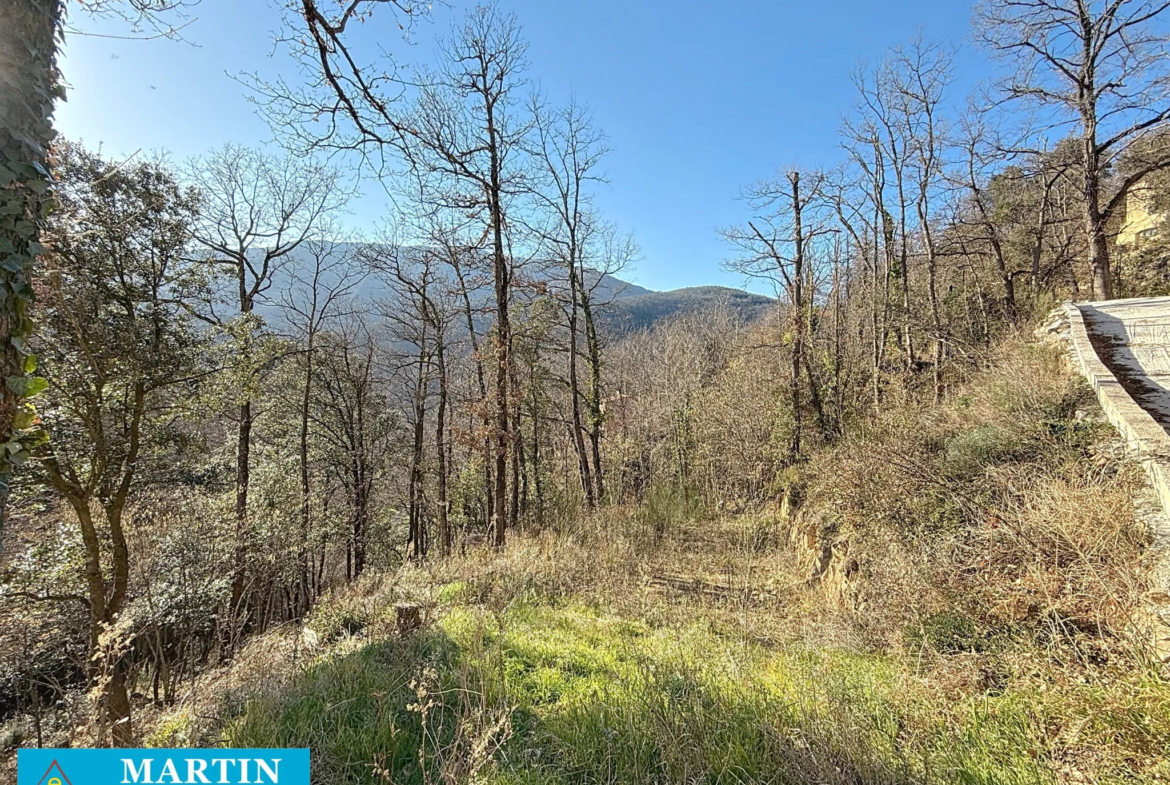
(625, 308)
(642, 311)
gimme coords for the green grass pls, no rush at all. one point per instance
(594, 699)
(954, 671)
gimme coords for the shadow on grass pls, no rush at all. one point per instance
(562, 695)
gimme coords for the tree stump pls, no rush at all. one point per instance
(409, 618)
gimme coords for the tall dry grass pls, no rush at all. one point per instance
(952, 595)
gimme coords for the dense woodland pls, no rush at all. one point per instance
(245, 409)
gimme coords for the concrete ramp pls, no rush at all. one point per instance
(1123, 348)
(1132, 338)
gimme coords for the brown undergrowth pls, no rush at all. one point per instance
(952, 595)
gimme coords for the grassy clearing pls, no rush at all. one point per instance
(548, 693)
(566, 694)
(952, 597)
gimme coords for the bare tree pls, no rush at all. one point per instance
(609, 252)
(881, 144)
(775, 245)
(257, 210)
(453, 237)
(458, 135)
(569, 150)
(979, 170)
(320, 284)
(921, 73)
(1097, 66)
(438, 310)
(343, 103)
(464, 143)
(854, 191)
(351, 412)
(411, 276)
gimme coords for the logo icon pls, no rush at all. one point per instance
(58, 778)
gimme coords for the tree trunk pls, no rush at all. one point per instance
(904, 269)
(441, 449)
(575, 393)
(416, 541)
(107, 598)
(883, 255)
(838, 336)
(360, 516)
(519, 481)
(535, 462)
(116, 704)
(596, 417)
(798, 324)
(932, 294)
(1094, 222)
(1098, 246)
(28, 91)
(516, 444)
(502, 280)
(306, 568)
(243, 477)
(480, 378)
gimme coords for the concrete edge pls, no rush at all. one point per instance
(1145, 438)
(1149, 444)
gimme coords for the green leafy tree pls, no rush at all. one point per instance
(30, 85)
(118, 357)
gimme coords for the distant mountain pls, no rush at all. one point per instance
(628, 307)
(610, 288)
(640, 311)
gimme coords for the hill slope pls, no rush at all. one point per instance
(640, 311)
(628, 307)
(967, 621)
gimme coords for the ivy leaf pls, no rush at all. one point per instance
(24, 418)
(28, 387)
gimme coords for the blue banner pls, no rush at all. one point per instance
(162, 767)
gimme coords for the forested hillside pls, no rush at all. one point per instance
(446, 501)
(636, 312)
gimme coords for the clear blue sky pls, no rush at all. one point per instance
(698, 98)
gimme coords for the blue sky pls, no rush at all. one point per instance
(698, 98)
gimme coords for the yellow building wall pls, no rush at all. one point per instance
(1140, 215)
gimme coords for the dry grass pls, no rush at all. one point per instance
(1008, 507)
(952, 596)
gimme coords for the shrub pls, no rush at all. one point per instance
(339, 618)
(668, 504)
(971, 451)
(946, 632)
